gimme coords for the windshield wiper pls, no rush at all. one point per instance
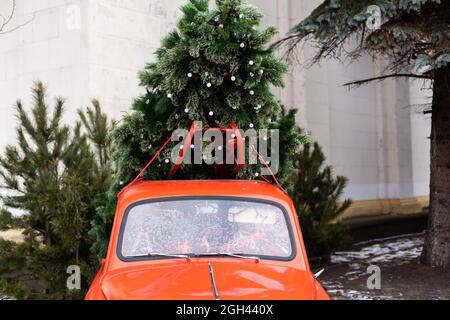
(228, 254)
(154, 254)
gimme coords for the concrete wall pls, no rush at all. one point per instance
(45, 49)
(85, 49)
(374, 134)
(123, 35)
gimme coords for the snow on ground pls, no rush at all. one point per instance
(402, 276)
(396, 250)
(354, 264)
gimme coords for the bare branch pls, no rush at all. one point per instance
(359, 83)
(5, 21)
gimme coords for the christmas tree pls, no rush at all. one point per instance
(216, 68)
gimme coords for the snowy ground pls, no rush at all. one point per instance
(402, 276)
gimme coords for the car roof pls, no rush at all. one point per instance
(146, 190)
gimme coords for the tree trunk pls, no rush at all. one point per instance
(47, 236)
(437, 245)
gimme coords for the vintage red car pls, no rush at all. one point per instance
(201, 240)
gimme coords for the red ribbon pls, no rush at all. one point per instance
(237, 143)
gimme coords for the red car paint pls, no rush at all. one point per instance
(191, 279)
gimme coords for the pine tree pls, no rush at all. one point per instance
(317, 200)
(98, 132)
(413, 37)
(215, 68)
(51, 179)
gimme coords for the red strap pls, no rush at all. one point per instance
(238, 143)
(141, 174)
(268, 168)
(182, 154)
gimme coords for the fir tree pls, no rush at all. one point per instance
(317, 200)
(414, 36)
(215, 68)
(51, 178)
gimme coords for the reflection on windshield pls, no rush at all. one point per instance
(206, 226)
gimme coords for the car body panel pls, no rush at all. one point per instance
(180, 279)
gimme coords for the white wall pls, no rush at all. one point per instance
(42, 49)
(371, 134)
(123, 37)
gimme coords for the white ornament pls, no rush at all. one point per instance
(261, 72)
(251, 62)
(220, 148)
(181, 147)
(186, 110)
(252, 74)
(150, 147)
(211, 113)
(169, 96)
(233, 78)
(192, 146)
(252, 93)
(167, 161)
(241, 15)
(209, 85)
(220, 25)
(233, 136)
(257, 174)
(189, 75)
(251, 125)
(242, 45)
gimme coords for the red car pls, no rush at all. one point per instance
(201, 240)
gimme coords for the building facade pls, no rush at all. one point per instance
(84, 49)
